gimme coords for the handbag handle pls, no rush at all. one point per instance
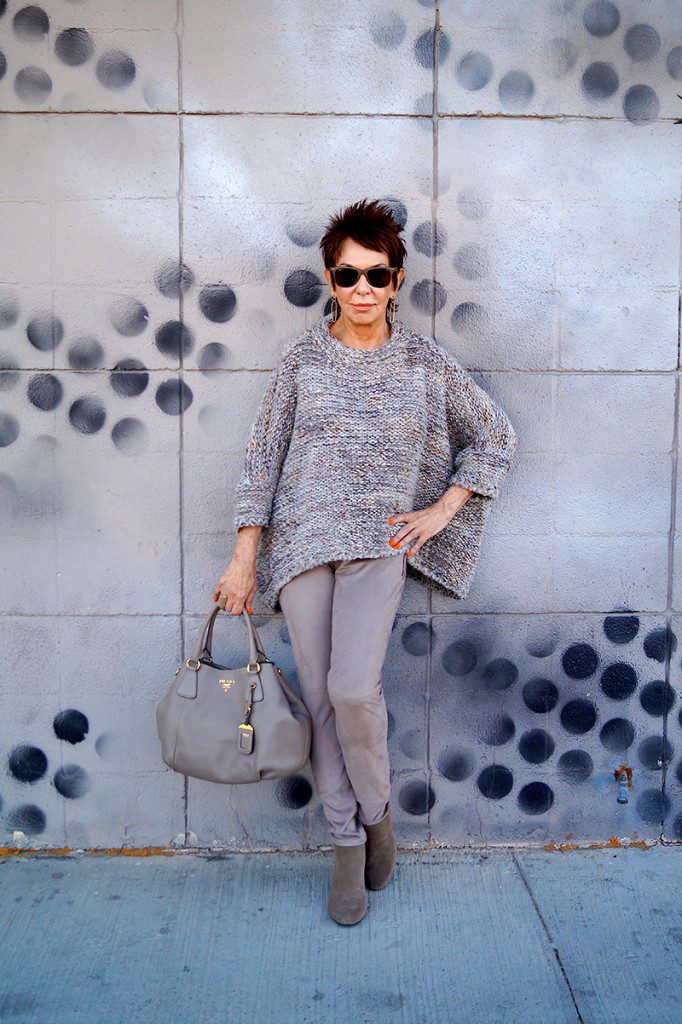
(209, 635)
(255, 646)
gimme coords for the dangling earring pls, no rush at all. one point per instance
(391, 307)
(336, 309)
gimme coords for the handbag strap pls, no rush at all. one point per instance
(202, 644)
(208, 643)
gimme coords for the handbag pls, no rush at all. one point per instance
(232, 725)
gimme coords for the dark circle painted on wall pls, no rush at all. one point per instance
(3, 7)
(455, 765)
(70, 725)
(87, 414)
(617, 735)
(495, 781)
(130, 436)
(575, 766)
(32, 84)
(580, 661)
(642, 42)
(302, 288)
(659, 643)
(45, 332)
(657, 698)
(599, 80)
(601, 18)
(474, 70)
(516, 90)
(217, 302)
(128, 316)
(3, 65)
(678, 772)
(115, 69)
(673, 63)
(27, 763)
(424, 49)
(212, 356)
(653, 751)
(173, 396)
(388, 32)
(621, 629)
(129, 378)
(415, 639)
(653, 806)
(540, 695)
(535, 798)
(9, 429)
(31, 24)
(71, 781)
(424, 292)
(172, 277)
(74, 46)
(459, 658)
(85, 353)
(45, 391)
(471, 261)
(9, 310)
(498, 731)
(421, 239)
(500, 674)
(641, 104)
(27, 818)
(536, 746)
(619, 680)
(174, 337)
(416, 798)
(578, 716)
(470, 318)
(294, 792)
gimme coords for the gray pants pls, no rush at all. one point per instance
(339, 616)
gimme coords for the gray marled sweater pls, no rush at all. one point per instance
(344, 439)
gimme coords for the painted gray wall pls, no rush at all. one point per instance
(541, 204)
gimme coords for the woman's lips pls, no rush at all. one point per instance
(355, 305)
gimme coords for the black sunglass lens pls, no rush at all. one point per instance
(346, 277)
(379, 277)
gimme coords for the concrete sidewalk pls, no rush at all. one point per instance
(475, 936)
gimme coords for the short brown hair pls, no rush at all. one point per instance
(370, 224)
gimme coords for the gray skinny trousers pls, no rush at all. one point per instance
(339, 616)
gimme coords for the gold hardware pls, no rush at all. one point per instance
(226, 684)
(198, 663)
(255, 668)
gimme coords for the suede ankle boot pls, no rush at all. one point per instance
(381, 852)
(347, 901)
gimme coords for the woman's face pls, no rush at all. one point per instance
(363, 305)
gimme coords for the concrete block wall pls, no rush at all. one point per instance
(167, 171)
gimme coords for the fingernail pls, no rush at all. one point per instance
(248, 609)
(390, 520)
(409, 552)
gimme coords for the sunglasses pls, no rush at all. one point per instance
(377, 277)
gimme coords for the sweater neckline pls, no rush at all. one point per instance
(357, 354)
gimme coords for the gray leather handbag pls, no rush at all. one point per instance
(232, 725)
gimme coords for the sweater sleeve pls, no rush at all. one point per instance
(482, 435)
(266, 447)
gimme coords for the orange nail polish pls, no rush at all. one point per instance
(248, 609)
(390, 520)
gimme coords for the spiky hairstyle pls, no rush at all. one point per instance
(369, 223)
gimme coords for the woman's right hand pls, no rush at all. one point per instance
(238, 583)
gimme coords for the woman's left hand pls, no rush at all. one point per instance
(427, 522)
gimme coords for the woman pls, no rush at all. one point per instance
(372, 446)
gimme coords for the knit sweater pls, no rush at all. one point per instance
(344, 439)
